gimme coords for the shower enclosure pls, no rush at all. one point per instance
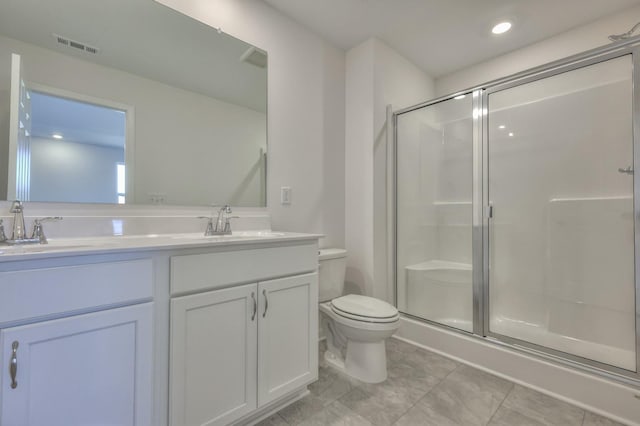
(517, 209)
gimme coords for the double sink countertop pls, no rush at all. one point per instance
(58, 247)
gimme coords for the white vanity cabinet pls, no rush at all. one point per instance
(213, 356)
(158, 331)
(287, 335)
(61, 366)
(237, 349)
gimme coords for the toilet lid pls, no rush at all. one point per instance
(363, 306)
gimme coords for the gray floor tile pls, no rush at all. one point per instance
(429, 362)
(403, 383)
(332, 385)
(424, 388)
(302, 409)
(507, 417)
(336, 414)
(591, 419)
(274, 420)
(542, 408)
(326, 375)
(466, 397)
(381, 409)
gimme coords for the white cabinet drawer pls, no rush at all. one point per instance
(39, 292)
(208, 271)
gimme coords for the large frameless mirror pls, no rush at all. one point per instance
(128, 101)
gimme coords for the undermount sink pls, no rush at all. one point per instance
(258, 234)
(234, 234)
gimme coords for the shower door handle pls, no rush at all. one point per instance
(627, 171)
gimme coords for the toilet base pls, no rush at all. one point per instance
(365, 361)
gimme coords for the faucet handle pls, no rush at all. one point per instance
(209, 231)
(227, 223)
(47, 219)
(38, 231)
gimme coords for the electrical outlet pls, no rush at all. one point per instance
(285, 195)
(157, 197)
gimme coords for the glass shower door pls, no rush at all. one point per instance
(434, 217)
(561, 236)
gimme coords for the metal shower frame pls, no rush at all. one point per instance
(481, 208)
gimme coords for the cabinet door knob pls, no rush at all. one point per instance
(266, 303)
(13, 367)
(255, 306)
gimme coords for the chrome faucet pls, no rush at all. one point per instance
(223, 222)
(18, 220)
(18, 234)
(223, 226)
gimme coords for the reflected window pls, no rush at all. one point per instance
(77, 150)
(120, 182)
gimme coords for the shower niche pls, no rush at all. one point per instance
(516, 211)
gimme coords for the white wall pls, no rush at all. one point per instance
(192, 148)
(376, 76)
(566, 44)
(305, 113)
(68, 171)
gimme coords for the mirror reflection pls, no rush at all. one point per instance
(128, 101)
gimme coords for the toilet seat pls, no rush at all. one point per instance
(365, 309)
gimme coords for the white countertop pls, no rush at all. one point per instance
(59, 247)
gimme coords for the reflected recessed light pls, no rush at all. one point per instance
(459, 97)
(56, 136)
(501, 28)
(502, 126)
(511, 134)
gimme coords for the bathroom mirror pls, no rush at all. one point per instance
(128, 101)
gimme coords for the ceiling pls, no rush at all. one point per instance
(76, 121)
(443, 36)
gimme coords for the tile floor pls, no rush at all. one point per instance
(424, 388)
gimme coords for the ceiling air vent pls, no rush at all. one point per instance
(255, 56)
(67, 42)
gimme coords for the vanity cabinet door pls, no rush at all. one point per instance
(86, 369)
(213, 356)
(287, 335)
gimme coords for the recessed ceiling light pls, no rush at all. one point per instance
(502, 126)
(459, 97)
(56, 136)
(511, 134)
(501, 28)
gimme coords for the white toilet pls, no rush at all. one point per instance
(355, 326)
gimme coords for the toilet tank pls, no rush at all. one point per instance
(332, 267)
